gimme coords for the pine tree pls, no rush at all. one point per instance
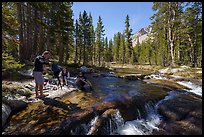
(106, 54)
(92, 40)
(128, 31)
(99, 37)
(110, 50)
(123, 48)
(118, 47)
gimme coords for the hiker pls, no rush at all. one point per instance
(38, 72)
(64, 76)
(56, 71)
(81, 81)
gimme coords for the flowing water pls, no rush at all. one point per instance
(113, 89)
(193, 88)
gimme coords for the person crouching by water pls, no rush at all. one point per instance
(81, 81)
(38, 72)
(64, 76)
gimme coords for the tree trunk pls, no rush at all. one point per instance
(80, 51)
(24, 21)
(35, 37)
(192, 51)
(29, 29)
(84, 52)
(48, 35)
(171, 38)
(67, 47)
(195, 64)
(76, 52)
(41, 45)
(21, 52)
(94, 54)
(99, 54)
(60, 44)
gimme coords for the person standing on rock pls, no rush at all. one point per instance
(38, 72)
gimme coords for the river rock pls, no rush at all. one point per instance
(24, 92)
(133, 76)
(6, 110)
(171, 70)
(168, 83)
(17, 105)
(103, 121)
(84, 69)
(182, 115)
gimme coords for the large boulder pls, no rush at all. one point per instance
(6, 111)
(182, 116)
(17, 105)
(84, 69)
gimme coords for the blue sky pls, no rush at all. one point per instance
(113, 14)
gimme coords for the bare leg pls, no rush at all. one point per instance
(36, 90)
(41, 89)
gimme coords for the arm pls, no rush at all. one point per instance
(68, 75)
(88, 82)
(42, 61)
(60, 74)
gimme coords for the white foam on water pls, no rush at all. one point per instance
(141, 126)
(156, 76)
(145, 126)
(92, 123)
(193, 88)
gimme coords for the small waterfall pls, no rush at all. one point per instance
(116, 122)
(93, 121)
(109, 128)
(171, 94)
(115, 125)
(142, 126)
(145, 125)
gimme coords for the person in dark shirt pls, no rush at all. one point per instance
(81, 81)
(56, 72)
(38, 72)
(64, 76)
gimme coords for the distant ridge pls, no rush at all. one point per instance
(140, 35)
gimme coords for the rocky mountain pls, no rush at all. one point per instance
(140, 36)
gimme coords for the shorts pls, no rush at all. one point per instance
(38, 76)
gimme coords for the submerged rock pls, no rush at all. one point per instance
(133, 76)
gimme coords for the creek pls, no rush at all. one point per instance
(116, 106)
